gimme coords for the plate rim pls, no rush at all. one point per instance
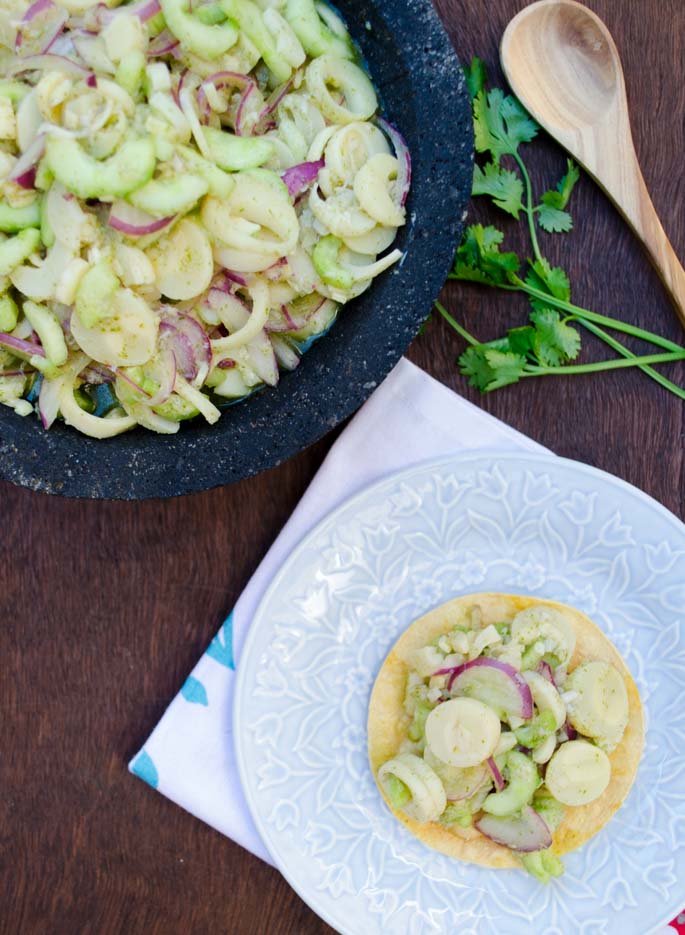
(495, 457)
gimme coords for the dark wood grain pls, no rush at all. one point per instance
(106, 607)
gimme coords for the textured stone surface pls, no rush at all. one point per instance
(423, 93)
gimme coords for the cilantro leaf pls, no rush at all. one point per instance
(502, 185)
(473, 365)
(476, 76)
(506, 366)
(521, 340)
(489, 368)
(554, 341)
(550, 279)
(501, 124)
(561, 197)
(479, 258)
(552, 215)
(553, 220)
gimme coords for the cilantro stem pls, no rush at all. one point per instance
(585, 313)
(626, 352)
(530, 212)
(533, 371)
(455, 324)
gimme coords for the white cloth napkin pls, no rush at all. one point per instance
(189, 757)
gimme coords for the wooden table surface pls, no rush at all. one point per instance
(107, 606)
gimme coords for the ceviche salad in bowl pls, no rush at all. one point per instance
(190, 191)
(505, 731)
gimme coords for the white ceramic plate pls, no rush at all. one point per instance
(520, 524)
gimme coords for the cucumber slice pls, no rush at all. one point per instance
(544, 751)
(601, 709)
(248, 16)
(18, 219)
(325, 259)
(126, 338)
(47, 234)
(372, 187)
(235, 153)
(128, 169)
(9, 313)
(46, 325)
(458, 783)
(398, 792)
(428, 798)
(220, 184)
(537, 731)
(543, 865)
(524, 779)
(15, 250)
(14, 91)
(313, 33)
(546, 697)
(176, 409)
(417, 728)
(95, 294)
(163, 197)
(578, 773)
(462, 732)
(183, 261)
(546, 627)
(209, 42)
(211, 14)
(547, 807)
(131, 71)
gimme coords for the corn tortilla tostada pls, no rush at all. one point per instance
(505, 730)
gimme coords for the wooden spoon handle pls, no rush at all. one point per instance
(638, 209)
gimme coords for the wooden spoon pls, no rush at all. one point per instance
(564, 67)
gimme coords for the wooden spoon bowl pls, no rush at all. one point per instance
(563, 65)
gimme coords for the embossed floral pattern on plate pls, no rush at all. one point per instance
(524, 524)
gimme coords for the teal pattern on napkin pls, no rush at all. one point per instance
(221, 647)
(144, 768)
(194, 691)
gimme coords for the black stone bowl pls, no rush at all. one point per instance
(423, 92)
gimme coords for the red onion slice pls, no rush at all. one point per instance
(12, 344)
(524, 833)
(223, 80)
(403, 157)
(47, 62)
(188, 342)
(495, 683)
(162, 44)
(241, 114)
(95, 375)
(496, 775)
(143, 9)
(33, 38)
(132, 383)
(128, 220)
(24, 170)
(48, 402)
(163, 372)
(271, 105)
(287, 356)
(545, 670)
(299, 178)
(4, 374)
(235, 277)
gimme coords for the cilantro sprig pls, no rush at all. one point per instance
(551, 342)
